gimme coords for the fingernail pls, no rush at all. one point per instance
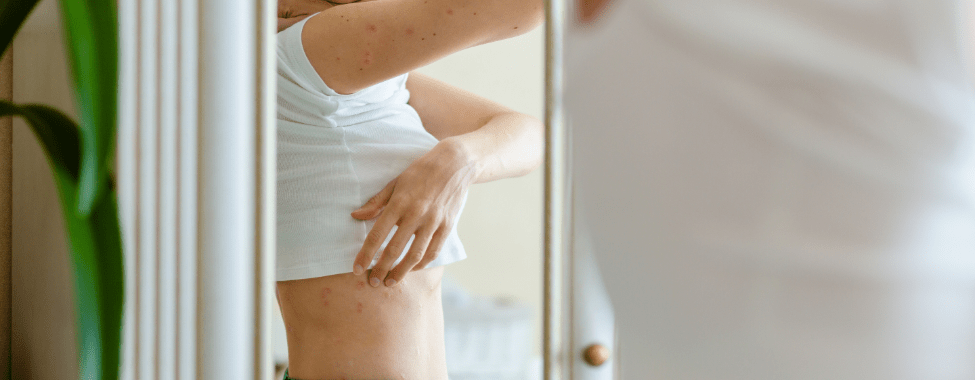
(390, 282)
(357, 269)
(374, 282)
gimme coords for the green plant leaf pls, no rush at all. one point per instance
(13, 13)
(91, 31)
(95, 243)
(58, 134)
(97, 261)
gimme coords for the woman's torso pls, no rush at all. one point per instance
(799, 179)
(339, 327)
(334, 153)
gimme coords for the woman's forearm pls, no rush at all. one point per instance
(508, 145)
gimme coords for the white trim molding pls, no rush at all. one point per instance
(196, 179)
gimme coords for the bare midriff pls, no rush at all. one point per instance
(339, 327)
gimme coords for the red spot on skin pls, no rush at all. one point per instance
(516, 27)
(366, 58)
(450, 11)
(325, 293)
(435, 34)
(423, 39)
(409, 31)
(475, 13)
(361, 285)
(371, 28)
(358, 307)
(338, 59)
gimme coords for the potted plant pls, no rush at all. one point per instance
(81, 159)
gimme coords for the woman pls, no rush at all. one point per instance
(346, 132)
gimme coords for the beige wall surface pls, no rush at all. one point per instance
(43, 322)
(6, 135)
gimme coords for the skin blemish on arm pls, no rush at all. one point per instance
(366, 58)
(361, 285)
(409, 31)
(371, 28)
(450, 11)
(358, 307)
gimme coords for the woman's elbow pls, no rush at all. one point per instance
(538, 151)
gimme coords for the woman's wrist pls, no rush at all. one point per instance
(460, 157)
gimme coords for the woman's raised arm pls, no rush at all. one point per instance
(357, 45)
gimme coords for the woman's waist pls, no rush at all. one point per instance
(340, 326)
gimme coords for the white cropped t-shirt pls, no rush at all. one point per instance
(334, 153)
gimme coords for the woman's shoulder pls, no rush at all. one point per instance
(294, 65)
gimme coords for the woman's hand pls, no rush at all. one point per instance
(424, 202)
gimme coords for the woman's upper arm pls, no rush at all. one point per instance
(357, 45)
(447, 110)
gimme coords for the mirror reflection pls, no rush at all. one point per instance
(409, 193)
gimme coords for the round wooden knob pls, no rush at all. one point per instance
(596, 354)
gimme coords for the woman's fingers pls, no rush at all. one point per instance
(413, 257)
(374, 240)
(433, 250)
(390, 254)
(375, 205)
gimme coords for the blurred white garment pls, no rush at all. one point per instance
(780, 189)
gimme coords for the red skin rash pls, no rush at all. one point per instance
(409, 31)
(371, 28)
(325, 294)
(450, 11)
(361, 284)
(366, 58)
(358, 307)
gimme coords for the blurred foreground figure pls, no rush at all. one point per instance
(780, 189)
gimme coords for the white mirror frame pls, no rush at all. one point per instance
(556, 321)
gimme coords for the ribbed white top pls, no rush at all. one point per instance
(334, 153)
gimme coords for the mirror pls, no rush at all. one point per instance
(492, 300)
